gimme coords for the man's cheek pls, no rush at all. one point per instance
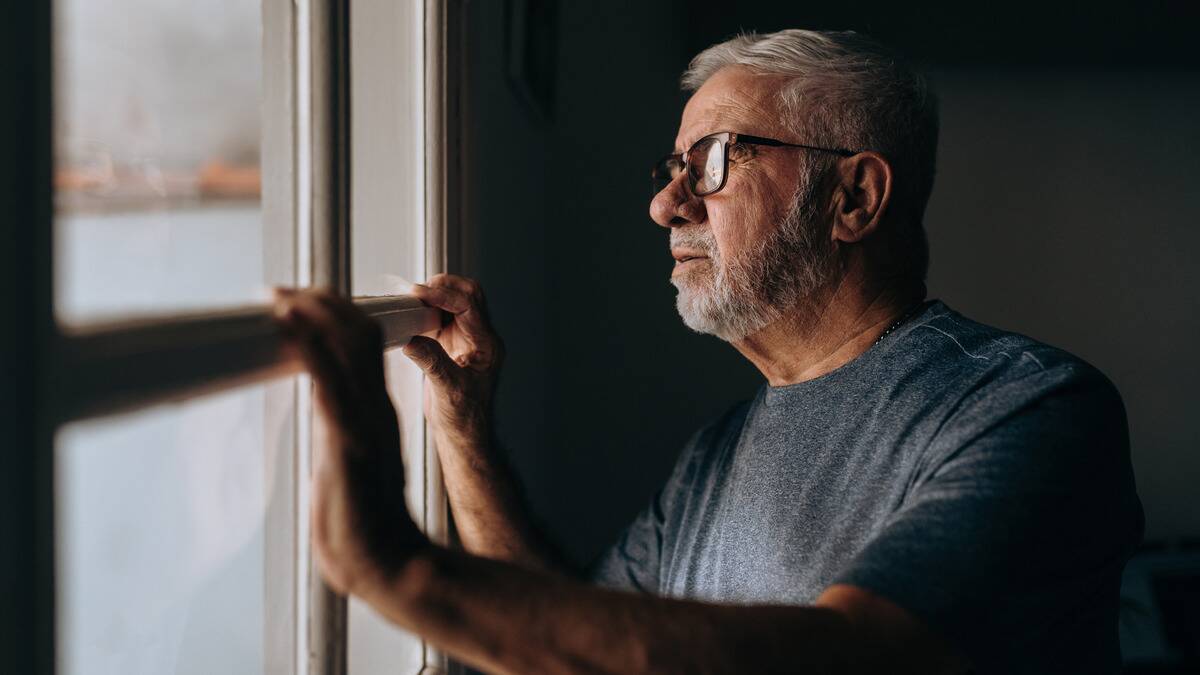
(738, 225)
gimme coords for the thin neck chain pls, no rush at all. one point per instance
(903, 317)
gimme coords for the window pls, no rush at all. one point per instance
(157, 157)
(171, 522)
(198, 154)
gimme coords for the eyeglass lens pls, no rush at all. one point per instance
(705, 168)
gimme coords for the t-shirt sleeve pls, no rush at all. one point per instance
(633, 562)
(1019, 523)
(636, 561)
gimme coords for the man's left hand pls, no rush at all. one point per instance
(361, 530)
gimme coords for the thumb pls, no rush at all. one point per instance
(429, 356)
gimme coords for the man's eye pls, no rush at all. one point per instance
(739, 152)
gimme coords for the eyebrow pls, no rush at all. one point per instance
(719, 116)
(692, 141)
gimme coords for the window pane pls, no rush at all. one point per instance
(376, 646)
(175, 538)
(388, 249)
(157, 175)
(387, 199)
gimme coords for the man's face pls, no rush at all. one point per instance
(753, 250)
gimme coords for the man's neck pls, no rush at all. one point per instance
(827, 331)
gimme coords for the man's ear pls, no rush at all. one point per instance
(861, 195)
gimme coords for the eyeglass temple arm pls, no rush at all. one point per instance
(759, 140)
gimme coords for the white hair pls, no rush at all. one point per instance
(847, 91)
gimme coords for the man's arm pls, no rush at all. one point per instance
(462, 366)
(512, 619)
(505, 619)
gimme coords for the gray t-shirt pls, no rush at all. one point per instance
(977, 478)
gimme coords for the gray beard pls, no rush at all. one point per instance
(747, 293)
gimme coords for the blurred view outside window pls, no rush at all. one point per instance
(162, 533)
(157, 178)
(162, 524)
(170, 521)
(387, 245)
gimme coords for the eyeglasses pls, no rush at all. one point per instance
(707, 161)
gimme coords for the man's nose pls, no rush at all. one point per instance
(675, 205)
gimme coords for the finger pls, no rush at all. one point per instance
(467, 310)
(463, 309)
(341, 307)
(462, 284)
(361, 336)
(450, 299)
(330, 307)
(349, 334)
(356, 403)
(465, 285)
(431, 358)
(334, 388)
(305, 304)
(306, 317)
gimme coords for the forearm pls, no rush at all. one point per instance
(505, 619)
(462, 365)
(490, 514)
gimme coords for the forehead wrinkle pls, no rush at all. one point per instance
(732, 112)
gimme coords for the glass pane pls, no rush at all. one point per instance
(175, 538)
(388, 250)
(377, 647)
(157, 175)
(387, 200)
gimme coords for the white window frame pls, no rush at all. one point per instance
(61, 375)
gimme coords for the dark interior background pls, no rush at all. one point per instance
(1065, 208)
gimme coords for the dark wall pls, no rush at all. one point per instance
(630, 383)
(603, 384)
(505, 226)
(1063, 209)
(1030, 33)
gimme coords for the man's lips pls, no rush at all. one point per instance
(685, 263)
(684, 256)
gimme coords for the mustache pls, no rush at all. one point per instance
(701, 240)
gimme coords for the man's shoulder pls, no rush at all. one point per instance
(996, 375)
(722, 428)
(956, 347)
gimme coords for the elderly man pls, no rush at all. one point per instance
(909, 491)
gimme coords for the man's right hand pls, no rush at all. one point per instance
(462, 364)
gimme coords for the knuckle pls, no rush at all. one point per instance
(438, 368)
(457, 398)
(475, 290)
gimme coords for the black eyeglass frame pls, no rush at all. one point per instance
(726, 139)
